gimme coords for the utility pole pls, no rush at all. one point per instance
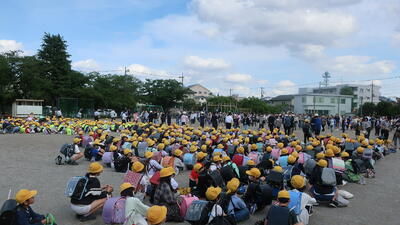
(181, 77)
(372, 91)
(262, 92)
(126, 71)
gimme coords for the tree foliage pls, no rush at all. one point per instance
(166, 93)
(381, 109)
(48, 75)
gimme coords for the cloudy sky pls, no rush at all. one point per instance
(241, 45)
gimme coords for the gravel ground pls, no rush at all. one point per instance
(27, 162)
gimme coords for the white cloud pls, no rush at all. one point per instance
(10, 45)
(205, 64)
(358, 65)
(277, 22)
(144, 72)
(238, 78)
(86, 65)
(286, 83)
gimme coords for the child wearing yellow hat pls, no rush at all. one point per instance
(134, 207)
(157, 215)
(165, 195)
(77, 153)
(297, 194)
(281, 214)
(237, 207)
(24, 213)
(95, 196)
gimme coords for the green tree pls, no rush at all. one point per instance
(56, 66)
(221, 100)
(257, 105)
(7, 78)
(368, 108)
(166, 93)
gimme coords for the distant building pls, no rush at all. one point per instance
(200, 93)
(286, 100)
(361, 93)
(323, 104)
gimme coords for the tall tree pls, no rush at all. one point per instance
(166, 93)
(56, 66)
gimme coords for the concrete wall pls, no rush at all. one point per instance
(325, 105)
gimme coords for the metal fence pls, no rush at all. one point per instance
(70, 107)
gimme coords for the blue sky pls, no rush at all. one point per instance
(242, 45)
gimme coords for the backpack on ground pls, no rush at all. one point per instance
(185, 204)
(8, 212)
(295, 201)
(76, 187)
(198, 212)
(328, 177)
(114, 211)
(338, 164)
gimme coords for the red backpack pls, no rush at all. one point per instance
(237, 159)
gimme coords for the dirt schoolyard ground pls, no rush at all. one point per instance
(27, 161)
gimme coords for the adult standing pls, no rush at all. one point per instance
(96, 115)
(214, 120)
(316, 123)
(113, 115)
(271, 122)
(202, 119)
(228, 121)
(307, 130)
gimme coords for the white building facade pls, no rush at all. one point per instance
(361, 93)
(323, 104)
(200, 93)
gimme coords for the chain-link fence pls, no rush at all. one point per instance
(71, 106)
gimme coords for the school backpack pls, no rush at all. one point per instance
(142, 147)
(245, 160)
(8, 212)
(254, 156)
(238, 160)
(349, 146)
(167, 161)
(114, 211)
(76, 187)
(231, 149)
(295, 201)
(88, 152)
(309, 166)
(275, 153)
(134, 179)
(198, 212)
(67, 150)
(227, 173)
(121, 164)
(283, 161)
(338, 164)
(185, 204)
(328, 177)
(275, 179)
(216, 178)
(367, 154)
(189, 159)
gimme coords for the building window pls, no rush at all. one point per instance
(343, 101)
(320, 100)
(303, 99)
(333, 100)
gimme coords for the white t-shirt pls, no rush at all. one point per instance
(228, 119)
(76, 149)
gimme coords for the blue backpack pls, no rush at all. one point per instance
(76, 187)
(283, 161)
(295, 201)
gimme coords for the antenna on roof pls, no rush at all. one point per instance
(326, 77)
